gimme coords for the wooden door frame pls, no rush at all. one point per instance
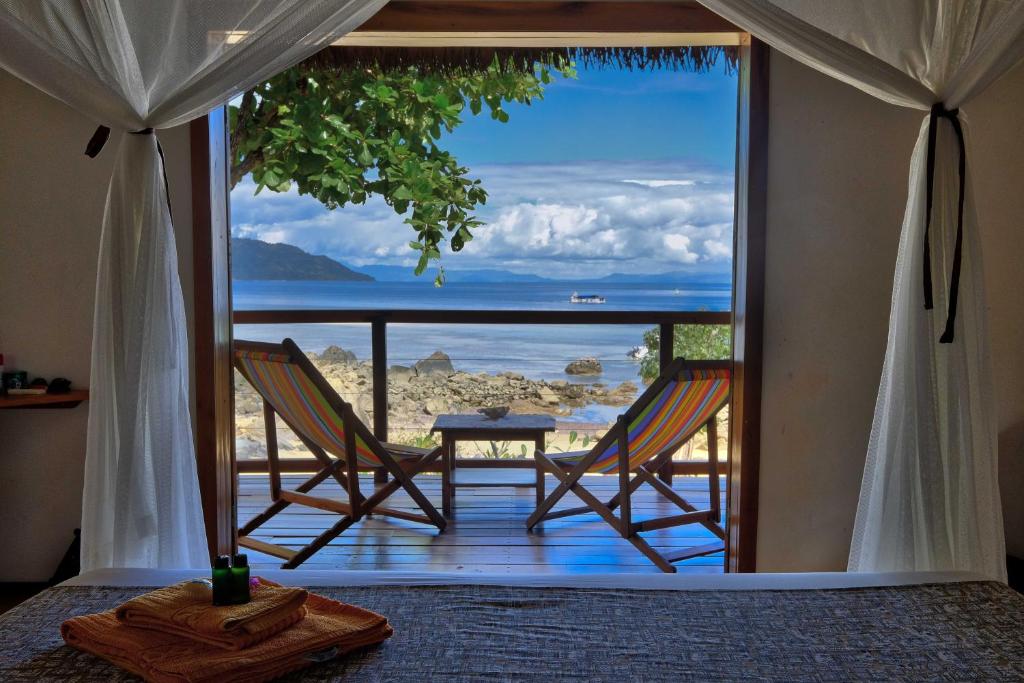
(748, 306)
(214, 375)
(211, 238)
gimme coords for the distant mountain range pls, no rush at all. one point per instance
(673, 277)
(406, 274)
(257, 260)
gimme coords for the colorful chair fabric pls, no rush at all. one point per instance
(685, 398)
(294, 390)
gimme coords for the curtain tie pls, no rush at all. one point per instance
(96, 142)
(99, 139)
(939, 111)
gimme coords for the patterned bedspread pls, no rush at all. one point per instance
(938, 632)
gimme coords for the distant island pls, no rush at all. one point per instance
(386, 273)
(257, 260)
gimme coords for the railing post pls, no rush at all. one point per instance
(379, 351)
(666, 354)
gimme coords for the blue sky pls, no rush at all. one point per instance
(612, 114)
(616, 171)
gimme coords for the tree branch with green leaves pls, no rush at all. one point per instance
(343, 135)
(693, 342)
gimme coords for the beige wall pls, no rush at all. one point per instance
(996, 154)
(51, 204)
(838, 165)
(838, 175)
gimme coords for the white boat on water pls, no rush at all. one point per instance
(578, 298)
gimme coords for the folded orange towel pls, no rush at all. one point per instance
(186, 611)
(329, 629)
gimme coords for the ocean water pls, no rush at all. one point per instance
(536, 351)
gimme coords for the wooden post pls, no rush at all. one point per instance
(379, 346)
(447, 472)
(666, 345)
(213, 380)
(714, 488)
(625, 501)
(748, 307)
(352, 464)
(274, 466)
(666, 354)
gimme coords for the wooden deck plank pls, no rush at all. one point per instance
(486, 535)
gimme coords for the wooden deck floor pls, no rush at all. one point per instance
(487, 533)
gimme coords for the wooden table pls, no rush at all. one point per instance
(454, 428)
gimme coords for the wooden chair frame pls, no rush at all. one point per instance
(569, 480)
(344, 471)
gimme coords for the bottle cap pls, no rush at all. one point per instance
(222, 562)
(241, 560)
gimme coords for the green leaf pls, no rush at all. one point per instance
(421, 265)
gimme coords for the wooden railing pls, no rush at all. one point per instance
(378, 320)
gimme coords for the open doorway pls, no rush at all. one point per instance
(406, 341)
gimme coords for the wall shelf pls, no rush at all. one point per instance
(27, 401)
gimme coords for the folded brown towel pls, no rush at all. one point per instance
(183, 610)
(329, 629)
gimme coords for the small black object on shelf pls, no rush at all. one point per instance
(59, 385)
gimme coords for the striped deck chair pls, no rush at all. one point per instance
(686, 397)
(294, 390)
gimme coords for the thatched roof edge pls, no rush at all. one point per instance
(691, 58)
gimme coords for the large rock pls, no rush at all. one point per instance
(336, 354)
(548, 396)
(401, 374)
(571, 391)
(435, 406)
(437, 363)
(624, 392)
(584, 366)
(248, 448)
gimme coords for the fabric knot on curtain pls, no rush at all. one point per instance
(99, 140)
(938, 112)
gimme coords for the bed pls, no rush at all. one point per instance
(793, 627)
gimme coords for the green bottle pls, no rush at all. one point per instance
(240, 580)
(222, 580)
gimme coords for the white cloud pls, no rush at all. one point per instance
(580, 219)
(716, 249)
(679, 245)
(660, 183)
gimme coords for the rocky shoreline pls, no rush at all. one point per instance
(432, 386)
